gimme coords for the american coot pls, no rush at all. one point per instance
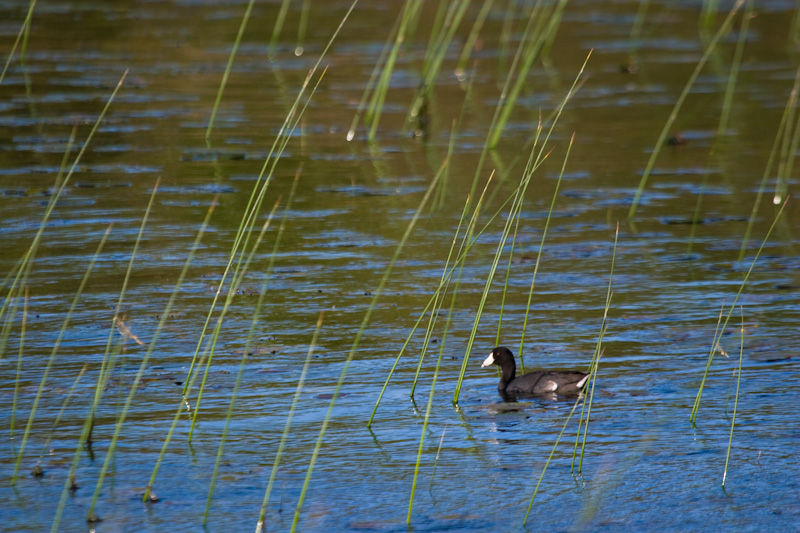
(539, 382)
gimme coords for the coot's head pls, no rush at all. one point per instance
(500, 356)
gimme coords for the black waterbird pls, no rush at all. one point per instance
(540, 382)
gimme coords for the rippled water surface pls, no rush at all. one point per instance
(646, 467)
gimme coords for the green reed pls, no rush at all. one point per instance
(159, 328)
(192, 251)
(114, 323)
(517, 200)
(431, 393)
(439, 199)
(38, 471)
(56, 345)
(228, 68)
(25, 263)
(718, 335)
(794, 31)
(594, 364)
(506, 32)
(410, 11)
(431, 302)
(23, 329)
(351, 354)
(736, 400)
(708, 13)
(662, 137)
(259, 191)
(284, 436)
(278, 27)
(636, 34)
(248, 219)
(22, 31)
(433, 316)
(262, 183)
(439, 296)
(515, 215)
(251, 334)
(549, 458)
(533, 41)
(518, 195)
(61, 185)
(302, 27)
(722, 125)
(27, 260)
(239, 275)
(441, 39)
(466, 244)
(373, 78)
(440, 195)
(786, 117)
(9, 324)
(549, 38)
(539, 253)
(495, 127)
(472, 38)
(788, 155)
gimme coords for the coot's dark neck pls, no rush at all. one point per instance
(509, 371)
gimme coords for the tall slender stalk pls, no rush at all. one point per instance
(19, 360)
(736, 400)
(87, 427)
(224, 82)
(525, 181)
(517, 198)
(31, 252)
(260, 187)
(38, 468)
(722, 126)
(302, 27)
(278, 27)
(788, 110)
(135, 385)
(549, 458)
(435, 57)
(22, 31)
(53, 352)
(437, 301)
(232, 291)
(247, 222)
(192, 251)
(516, 215)
(723, 30)
(469, 44)
(351, 354)
(253, 324)
(9, 324)
(718, 336)
(284, 436)
(410, 10)
(545, 26)
(595, 363)
(373, 77)
(434, 314)
(539, 255)
(457, 264)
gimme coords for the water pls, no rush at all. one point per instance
(645, 466)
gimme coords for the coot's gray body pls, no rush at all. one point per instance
(538, 382)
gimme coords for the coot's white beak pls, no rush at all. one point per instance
(488, 361)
